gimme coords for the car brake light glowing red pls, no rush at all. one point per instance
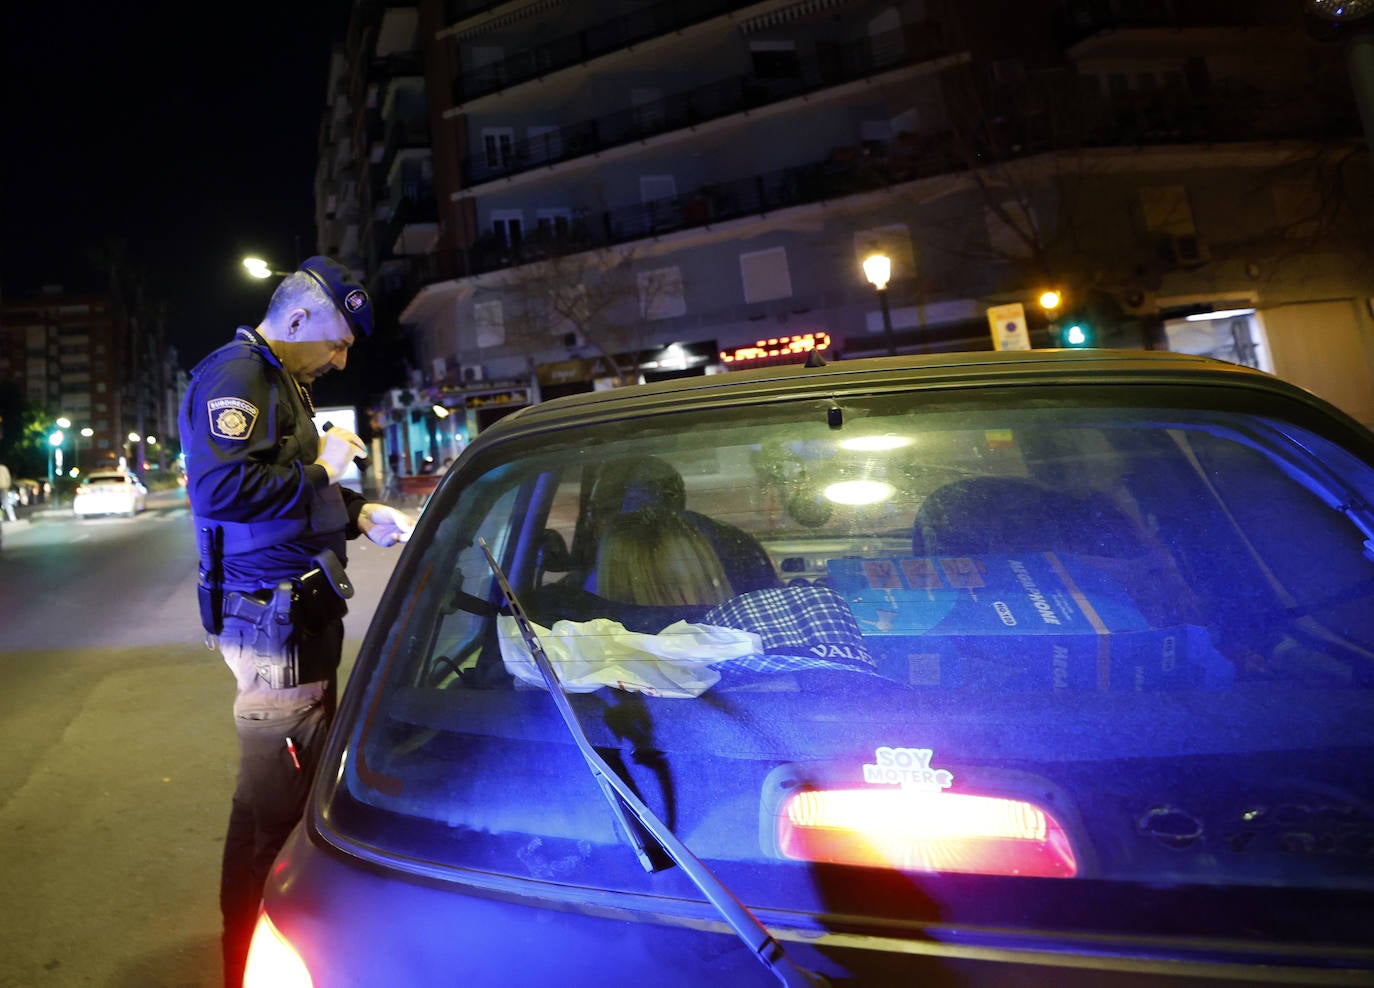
(272, 961)
(925, 831)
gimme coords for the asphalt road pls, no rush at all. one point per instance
(118, 750)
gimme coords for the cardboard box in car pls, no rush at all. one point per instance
(1037, 620)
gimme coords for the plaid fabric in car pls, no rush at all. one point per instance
(803, 627)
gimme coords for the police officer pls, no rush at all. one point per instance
(272, 522)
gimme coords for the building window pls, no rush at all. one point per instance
(660, 293)
(653, 188)
(508, 226)
(553, 225)
(489, 324)
(488, 64)
(885, 36)
(775, 59)
(647, 105)
(765, 275)
(545, 143)
(657, 193)
(496, 145)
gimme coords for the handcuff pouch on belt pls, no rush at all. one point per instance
(293, 609)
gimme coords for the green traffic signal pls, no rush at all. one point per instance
(1075, 335)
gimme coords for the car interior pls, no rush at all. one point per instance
(1083, 611)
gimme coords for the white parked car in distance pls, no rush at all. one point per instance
(110, 492)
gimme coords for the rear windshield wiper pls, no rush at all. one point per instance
(621, 797)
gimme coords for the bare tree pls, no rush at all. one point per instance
(599, 299)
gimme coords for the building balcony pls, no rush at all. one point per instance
(846, 171)
(401, 134)
(397, 64)
(874, 166)
(832, 67)
(591, 42)
(1080, 19)
(457, 10)
(413, 224)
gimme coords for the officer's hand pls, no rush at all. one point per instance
(385, 525)
(337, 450)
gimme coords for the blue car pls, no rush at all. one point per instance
(1046, 667)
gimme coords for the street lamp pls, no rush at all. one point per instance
(55, 440)
(86, 433)
(878, 271)
(258, 268)
(1050, 300)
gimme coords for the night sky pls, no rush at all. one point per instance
(187, 131)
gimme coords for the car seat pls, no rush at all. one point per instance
(636, 483)
(983, 515)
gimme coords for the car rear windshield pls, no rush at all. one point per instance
(1074, 635)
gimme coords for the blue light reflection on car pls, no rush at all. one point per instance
(1122, 621)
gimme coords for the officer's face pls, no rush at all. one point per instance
(320, 345)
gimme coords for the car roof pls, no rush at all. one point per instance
(924, 371)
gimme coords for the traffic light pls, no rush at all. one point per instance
(1075, 334)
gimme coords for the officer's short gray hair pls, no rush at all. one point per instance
(298, 290)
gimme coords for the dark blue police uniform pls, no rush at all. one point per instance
(250, 446)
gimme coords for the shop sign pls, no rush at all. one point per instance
(776, 350)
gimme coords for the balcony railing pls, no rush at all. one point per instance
(846, 171)
(591, 42)
(1141, 121)
(457, 10)
(1231, 117)
(401, 133)
(726, 97)
(420, 208)
(1083, 18)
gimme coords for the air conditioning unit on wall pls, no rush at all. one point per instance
(1188, 251)
(473, 374)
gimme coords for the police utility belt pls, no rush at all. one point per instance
(279, 617)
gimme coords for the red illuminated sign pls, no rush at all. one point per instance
(776, 348)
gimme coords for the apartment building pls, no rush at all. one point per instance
(550, 197)
(85, 358)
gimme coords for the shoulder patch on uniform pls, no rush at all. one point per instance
(231, 418)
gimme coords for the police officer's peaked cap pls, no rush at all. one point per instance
(348, 294)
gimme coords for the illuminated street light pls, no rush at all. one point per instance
(440, 412)
(258, 268)
(1050, 300)
(134, 437)
(63, 422)
(55, 440)
(878, 271)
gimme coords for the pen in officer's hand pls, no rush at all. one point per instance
(291, 750)
(359, 461)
